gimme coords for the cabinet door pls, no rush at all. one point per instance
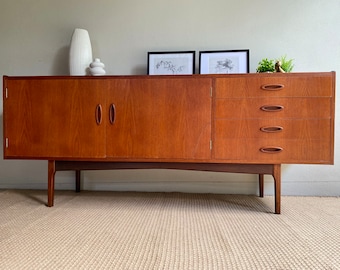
(159, 118)
(51, 118)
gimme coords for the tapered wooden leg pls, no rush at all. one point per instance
(261, 184)
(50, 188)
(77, 180)
(277, 186)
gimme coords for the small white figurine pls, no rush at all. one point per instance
(97, 68)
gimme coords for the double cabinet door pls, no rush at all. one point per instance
(107, 118)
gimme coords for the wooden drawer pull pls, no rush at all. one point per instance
(271, 129)
(272, 87)
(272, 108)
(271, 150)
(99, 114)
(112, 114)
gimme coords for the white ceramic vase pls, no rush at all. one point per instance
(80, 53)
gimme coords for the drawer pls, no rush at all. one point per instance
(293, 151)
(272, 85)
(314, 129)
(313, 107)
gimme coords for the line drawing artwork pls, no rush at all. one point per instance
(225, 65)
(171, 66)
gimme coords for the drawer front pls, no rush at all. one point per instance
(274, 118)
(273, 108)
(311, 129)
(273, 151)
(272, 85)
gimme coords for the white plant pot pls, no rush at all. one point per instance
(80, 53)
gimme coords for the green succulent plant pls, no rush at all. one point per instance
(286, 64)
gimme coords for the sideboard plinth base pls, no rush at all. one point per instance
(78, 166)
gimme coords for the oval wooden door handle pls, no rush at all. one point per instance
(272, 87)
(271, 149)
(272, 108)
(112, 114)
(271, 129)
(98, 114)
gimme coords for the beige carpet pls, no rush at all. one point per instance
(111, 230)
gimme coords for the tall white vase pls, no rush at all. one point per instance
(80, 52)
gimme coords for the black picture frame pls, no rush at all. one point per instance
(171, 63)
(224, 62)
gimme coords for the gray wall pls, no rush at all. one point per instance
(35, 36)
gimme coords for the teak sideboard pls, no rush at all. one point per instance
(246, 123)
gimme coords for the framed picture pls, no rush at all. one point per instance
(224, 62)
(171, 63)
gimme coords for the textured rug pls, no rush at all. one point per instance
(127, 230)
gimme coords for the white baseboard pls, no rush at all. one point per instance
(226, 187)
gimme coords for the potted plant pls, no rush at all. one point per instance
(266, 65)
(285, 64)
(281, 65)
